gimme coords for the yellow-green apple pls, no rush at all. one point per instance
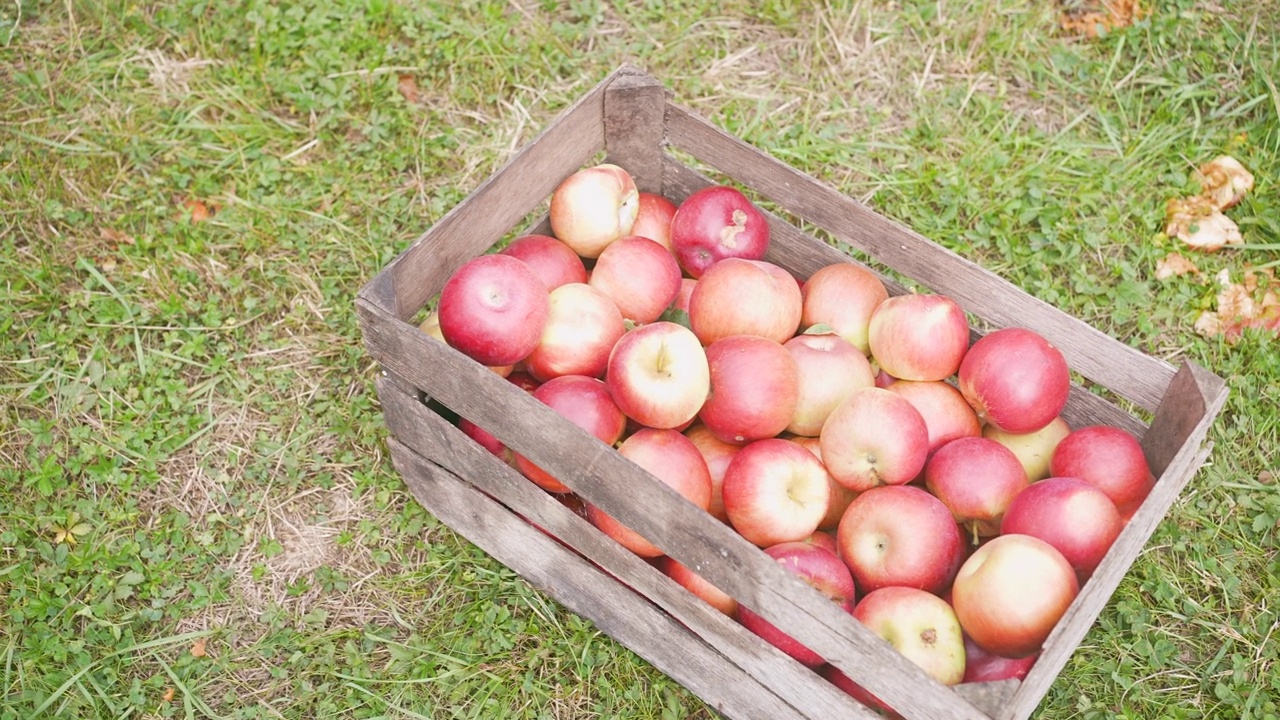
(1034, 449)
(1015, 379)
(639, 275)
(1076, 518)
(841, 496)
(900, 535)
(919, 337)
(976, 479)
(550, 259)
(715, 223)
(431, 326)
(581, 330)
(821, 569)
(593, 207)
(875, 437)
(653, 219)
(493, 309)
(754, 389)
(698, 585)
(744, 297)
(673, 460)
(830, 370)
(843, 296)
(585, 402)
(659, 375)
(775, 491)
(982, 666)
(1108, 458)
(918, 624)
(1011, 592)
(946, 414)
(717, 453)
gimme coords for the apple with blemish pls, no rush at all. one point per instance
(715, 223)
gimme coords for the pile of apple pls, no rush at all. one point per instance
(927, 485)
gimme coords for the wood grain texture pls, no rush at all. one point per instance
(576, 584)
(802, 254)
(634, 126)
(1092, 353)
(638, 500)
(1187, 391)
(475, 224)
(430, 436)
(1194, 394)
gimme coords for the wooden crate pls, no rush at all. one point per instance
(629, 117)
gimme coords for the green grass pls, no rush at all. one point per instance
(191, 399)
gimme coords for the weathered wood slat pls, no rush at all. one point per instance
(635, 498)
(1092, 353)
(501, 201)
(573, 582)
(1192, 396)
(802, 255)
(430, 436)
(634, 125)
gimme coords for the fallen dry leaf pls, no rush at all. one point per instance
(1239, 307)
(199, 211)
(1094, 19)
(1224, 181)
(114, 238)
(1198, 223)
(1174, 264)
(197, 648)
(408, 87)
(168, 695)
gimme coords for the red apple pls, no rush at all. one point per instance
(754, 388)
(899, 535)
(673, 460)
(1015, 380)
(1011, 593)
(1109, 459)
(493, 309)
(919, 337)
(976, 479)
(659, 375)
(982, 666)
(552, 261)
(698, 585)
(431, 326)
(920, 625)
(717, 453)
(585, 402)
(639, 275)
(593, 207)
(744, 297)
(686, 293)
(775, 491)
(946, 414)
(1076, 518)
(830, 369)
(843, 296)
(841, 496)
(875, 437)
(1034, 449)
(580, 333)
(821, 569)
(523, 380)
(653, 219)
(715, 223)
(823, 540)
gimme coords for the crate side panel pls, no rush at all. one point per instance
(572, 581)
(430, 436)
(634, 128)
(638, 500)
(802, 255)
(1097, 356)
